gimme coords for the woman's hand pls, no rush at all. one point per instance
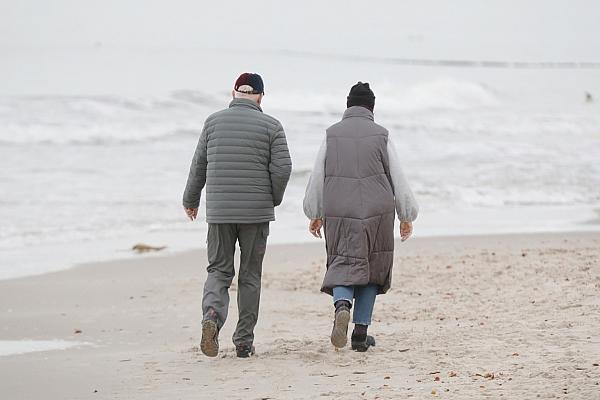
(315, 226)
(406, 229)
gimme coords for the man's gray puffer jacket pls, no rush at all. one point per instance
(243, 158)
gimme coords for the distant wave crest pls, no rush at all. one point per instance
(102, 119)
(98, 120)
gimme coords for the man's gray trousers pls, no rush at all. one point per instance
(221, 242)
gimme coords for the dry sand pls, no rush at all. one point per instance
(515, 316)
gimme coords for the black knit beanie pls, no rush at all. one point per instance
(361, 95)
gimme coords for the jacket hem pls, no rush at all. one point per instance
(238, 220)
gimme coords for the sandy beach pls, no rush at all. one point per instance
(109, 109)
(510, 316)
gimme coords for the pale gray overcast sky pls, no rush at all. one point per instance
(564, 29)
(134, 46)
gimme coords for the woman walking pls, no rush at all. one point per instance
(355, 189)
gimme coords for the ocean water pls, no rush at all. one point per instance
(83, 177)
(14, 347)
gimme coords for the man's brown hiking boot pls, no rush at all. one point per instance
(210, 338)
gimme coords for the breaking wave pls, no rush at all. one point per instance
(98, 120)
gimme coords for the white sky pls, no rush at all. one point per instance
(149, 46)
(557, 29)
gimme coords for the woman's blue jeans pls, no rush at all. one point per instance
(365, 300)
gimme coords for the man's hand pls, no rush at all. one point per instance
(192, 213)
(406, 229)
(315, 227)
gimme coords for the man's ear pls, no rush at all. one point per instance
(260, 97)
(233, 94)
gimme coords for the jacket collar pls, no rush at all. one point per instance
(246, 103)
(358, 111)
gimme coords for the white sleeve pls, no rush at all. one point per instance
(406, 205)
(313, 198)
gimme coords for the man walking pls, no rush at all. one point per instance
(243, 158)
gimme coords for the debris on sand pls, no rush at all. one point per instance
(487, 375)
(144, 248)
